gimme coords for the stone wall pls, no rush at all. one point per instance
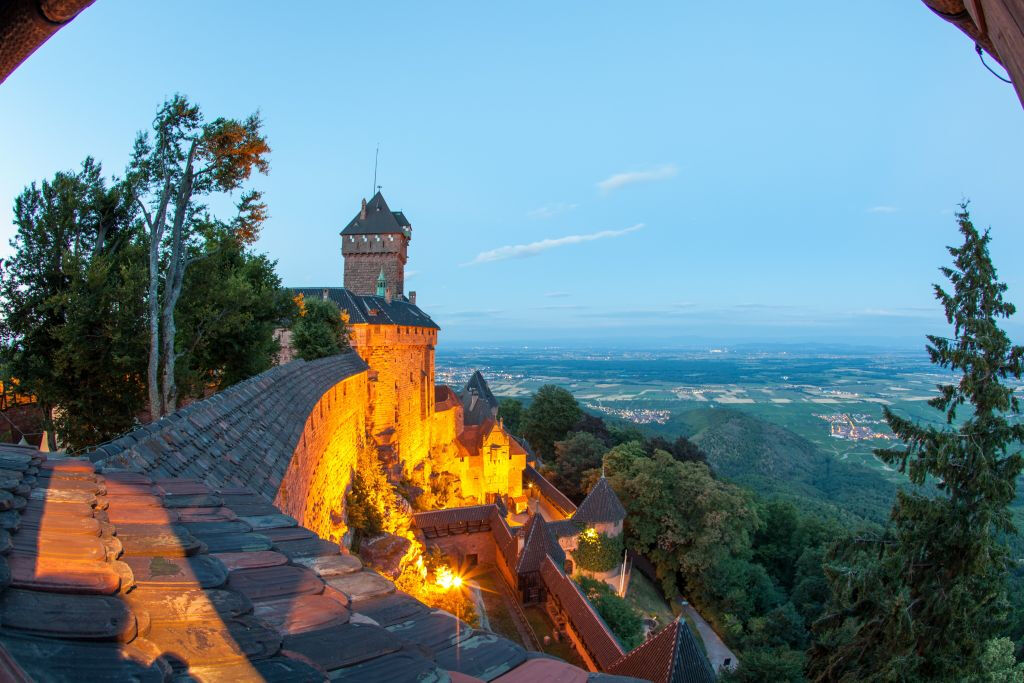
(290, 434)
(457, 548)
(313, 488)
(401, 359)
(366, 255)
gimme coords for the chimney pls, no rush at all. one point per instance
(387, 295)
(326, 295)
(362, 211)
(412, 298)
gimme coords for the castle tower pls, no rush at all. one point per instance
(376, 242)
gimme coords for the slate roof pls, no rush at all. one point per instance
(379, 220)
(369, 309)
(242, 436)
(671, 656)
(478, 403)
(600, 505)
(538, 544)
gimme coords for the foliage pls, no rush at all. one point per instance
(998, 664)
(511, 411)
(320, 332)
(71, 316)
(779, 665)
(622, 619)
(185, 160)
(775, 462)
(552, 413)
(598, 552)
(678, 515)
(371, 504)
(230, 306)
(682, 449)
(580, 452)
(923, 600)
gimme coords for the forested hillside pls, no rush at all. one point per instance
(776, 462)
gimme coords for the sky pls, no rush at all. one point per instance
(639, 174)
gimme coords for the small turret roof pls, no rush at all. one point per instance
(478, 403)
(672, 656)
(600, 505)
(378, 220)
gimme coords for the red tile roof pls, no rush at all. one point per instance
(671, 656)
(584, 618)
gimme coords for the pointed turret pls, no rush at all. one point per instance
(671, 656)
(601, 506)
(376, 239)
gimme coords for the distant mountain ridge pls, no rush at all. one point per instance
(774, 461)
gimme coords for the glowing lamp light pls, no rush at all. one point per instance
(446, 578)
(590, 534)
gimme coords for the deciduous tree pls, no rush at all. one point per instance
(185, 160)
(551, 414)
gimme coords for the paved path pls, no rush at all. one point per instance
(478, 600)
(717, 651)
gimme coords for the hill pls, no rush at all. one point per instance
(776, 462)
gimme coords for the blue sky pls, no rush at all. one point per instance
(645, 174)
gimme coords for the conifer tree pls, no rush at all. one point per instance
(925, 600)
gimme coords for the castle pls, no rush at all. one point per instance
(419, 430)
(214, 542)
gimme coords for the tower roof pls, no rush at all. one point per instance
(378, 219)
(478, 403)
(672, 656)
(538, 543)
(600, 505)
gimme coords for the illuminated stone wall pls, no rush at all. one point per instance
(401, 360)
(320, 470)
(490, 467)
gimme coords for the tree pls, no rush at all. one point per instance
(678, 515)
(552, 413)
(185, 160)
(319, 331)
(580, 452)
(923, 600)
(230, 305)
(71, 315)
(511, 411)
(682, 449)
(621, 617)
(597, 552)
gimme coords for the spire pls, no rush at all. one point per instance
(382, 283)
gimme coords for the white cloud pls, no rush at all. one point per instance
(882, 209)
(618, 180)
(534, 248)
(556, 295)
(411, 274)
(550, 210)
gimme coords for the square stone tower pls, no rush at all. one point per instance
(376, 241)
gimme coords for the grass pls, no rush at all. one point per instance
(542, 626)
(646, 597)
(497, 613)
(695, 632)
